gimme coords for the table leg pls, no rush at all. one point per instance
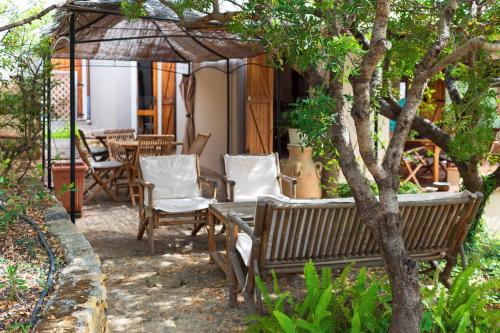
(230, 274)
(211, 236)
(437, 151)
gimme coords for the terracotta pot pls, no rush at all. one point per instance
(60, 174)
(301, 166)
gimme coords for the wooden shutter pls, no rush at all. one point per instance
(168, 97)
(259, 107)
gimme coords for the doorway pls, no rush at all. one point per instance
(148, 120)
(290, 87)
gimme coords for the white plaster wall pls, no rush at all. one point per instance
(110, 90)
(211, 114)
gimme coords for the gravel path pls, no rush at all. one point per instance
(176, 290)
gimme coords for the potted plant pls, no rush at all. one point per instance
(63, 185)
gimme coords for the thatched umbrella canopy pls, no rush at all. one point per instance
(103, 32)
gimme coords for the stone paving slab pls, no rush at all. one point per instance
(176, 290)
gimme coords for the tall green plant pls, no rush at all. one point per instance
(363, 304)
(328, 306)
(467, 306)
(22, 88)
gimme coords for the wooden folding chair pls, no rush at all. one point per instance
(104, 173)
(199, 144)
(99, 153)
(170, 192)
(412, 162)
(120, 134)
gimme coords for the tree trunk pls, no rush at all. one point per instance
(403, 274)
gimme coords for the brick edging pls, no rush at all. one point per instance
(79, 302)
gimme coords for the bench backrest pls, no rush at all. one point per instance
(331, 232)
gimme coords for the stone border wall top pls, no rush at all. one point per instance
(79, 302)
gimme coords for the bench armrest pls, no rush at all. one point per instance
(242, 225)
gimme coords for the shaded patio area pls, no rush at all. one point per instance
(176, 290)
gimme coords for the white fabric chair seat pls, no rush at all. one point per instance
(110, 164)
(244, 247)
(181, 205)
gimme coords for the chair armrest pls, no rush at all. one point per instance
(242, 225)
(229, 191)
(228, 181)
(208, 181)
(212, 184)
(141, 182)
(145, 185)
(293, 184)
(289, 179)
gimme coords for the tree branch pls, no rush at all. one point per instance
(361, 108)
(451, 86)
(422, 73)
(31, 18)
(474, 44)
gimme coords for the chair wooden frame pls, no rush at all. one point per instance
(102, 155)
(199, 144)
(151, 218)
(434, 229)
(120, 134)
(230, 184)
(104, 173)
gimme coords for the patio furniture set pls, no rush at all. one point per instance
(264, 229)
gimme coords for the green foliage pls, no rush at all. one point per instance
(64, 132)
(465, 307)
(475, 115)
(313, 117)
(13, 283)
(297, 31)
(363, 304)
(343, 190)
(328, 306)
(22, 83)
(18, 327)
(133, 9)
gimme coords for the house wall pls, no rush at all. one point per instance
(211, 109)
(211, 114)
(110, 90)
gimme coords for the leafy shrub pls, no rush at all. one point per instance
(328, 306)
(365, 305)
(465, 307)
(13, 283)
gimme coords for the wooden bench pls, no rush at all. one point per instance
(286, 234)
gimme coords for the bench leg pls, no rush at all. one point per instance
(462, 257)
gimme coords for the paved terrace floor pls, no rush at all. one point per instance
(175, 290)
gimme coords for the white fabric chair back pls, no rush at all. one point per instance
(254, 175)
(174, 176)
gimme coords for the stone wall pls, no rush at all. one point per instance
(79, 302)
